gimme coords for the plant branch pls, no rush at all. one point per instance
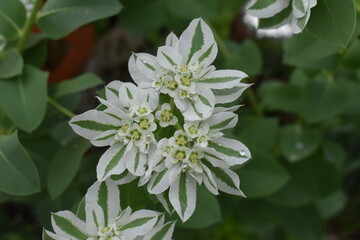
(27, 27)
(60, 108)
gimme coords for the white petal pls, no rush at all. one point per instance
(206, 101)
(221, 79)
(135, 161)
(123, 178)
(104, 139)
(209, 180)
(222, 120)
(134, 70)
(148, 66)
(169, 58)
(205, 56)
(228, 95)
(165, 231)
(112, 93)
(128, 93)
(159, 182)
(139, 223)
(172, 41)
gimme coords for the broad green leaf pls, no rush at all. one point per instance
(136, 197)
(302, 223)
(11, 63)
(77, 84)
(12, 18)
(262, 176)
(60, 17)
(333, 21)
(352, 56)
(64, 166)
(36, 54)
(282, 96)
(207, 211)
(297, 142)
(305, 50)
(245, 57)
(332, 204)
(324, 99)
(334, 153)
(27, 94)
(18, 174)
(255, 133)
(205, 8)
(310, 180)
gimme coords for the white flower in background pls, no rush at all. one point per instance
(126, 125)
(105, 220)
(182, 69)
(277, 13)
(165, 116)
(197, 154)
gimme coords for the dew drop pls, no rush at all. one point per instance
(299, 145)
(242, 152)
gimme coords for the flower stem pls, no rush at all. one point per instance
(60, 108)
(27, 27)
(178, 126)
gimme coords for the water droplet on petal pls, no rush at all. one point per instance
(242, 152)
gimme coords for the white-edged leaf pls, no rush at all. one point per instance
(147, 66)
(182, 195)
(221, 79)
(135, 161)
(111, 162)
(169, 58)
(165, 202)
(139, 223)
(172, 41)
(209, 180)
(123, 178)
(265, 9)
(233, 151)
(228, 95)
(222, 120)
(49, 235)
(159, 182)
(162, 232)
(65, 223)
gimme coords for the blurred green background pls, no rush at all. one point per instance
(300, 120)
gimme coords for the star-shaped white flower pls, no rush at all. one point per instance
(106, 221)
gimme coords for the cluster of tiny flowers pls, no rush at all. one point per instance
(167, 129)
(295, 13)
(104, 219)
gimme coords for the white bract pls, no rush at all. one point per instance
(182, 69)
(104, 219)
(277, 13)
(197, 154)
(126, 125)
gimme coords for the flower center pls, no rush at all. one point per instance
(142, 110)
(180, 155)
(186, 81)
(166, 116)
(193, 129)
(144, 124)
(125, 127)
(183, 68)
(181, 140)
(183, 93)
(105, 229)
(171, 84)
(194, 157)
(135, 135)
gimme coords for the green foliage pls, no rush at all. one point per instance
(12, 18)
(60, 17)
(11, 63)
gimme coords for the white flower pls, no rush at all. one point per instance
(198, 155)
(126, 125)
(165, 115)
(106, 221)
(295, 13)
(183, 70)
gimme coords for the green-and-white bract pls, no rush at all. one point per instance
(167, 130)
(276, 13)
(106, 221)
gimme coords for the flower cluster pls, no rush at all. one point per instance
(167, 130)
(277, 13)
(104, 219)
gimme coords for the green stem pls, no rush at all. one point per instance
(60, 108)
(27, 27)
(178, 126)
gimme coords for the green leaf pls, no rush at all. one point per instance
(36, 54)
(305, 50)
(333, 21)
(64, 166)
(77, 84)
(11, 63)
(27, 94)
(18, 174)
(207, 9)
(12, 18)
(262, 132)
(332, 204)
(324, 99)
(311, 179)
(207, 211)
(60, 17)
(262, 175)
(297, 142)
(282, 96)
(245, 57)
